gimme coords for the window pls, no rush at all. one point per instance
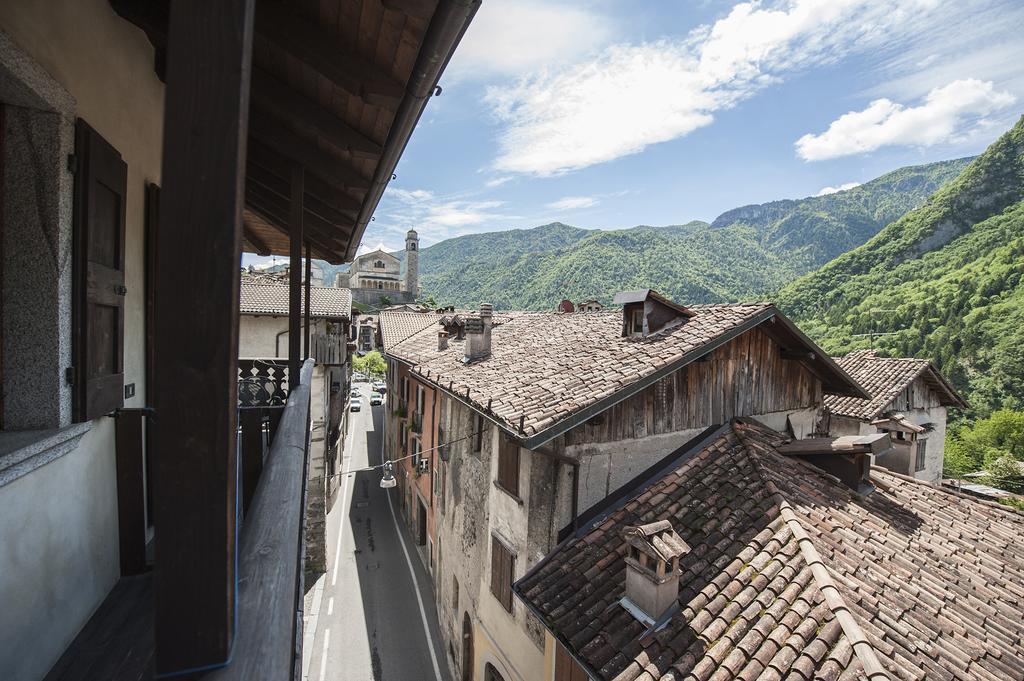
(491, 674)
(379, 264)
(478, 432)
(412, 247)
(455, 593)
(922, 446)
(404, 435)
(416, 453)
(502, 566)
(442, 448)
(420, 394)
(508, 466)
(635, 321)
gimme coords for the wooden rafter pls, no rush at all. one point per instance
(258, 244)
(298, 149)
(314, 223)
(277, 98)
(276, 215)
(324, 53)
(339, 208)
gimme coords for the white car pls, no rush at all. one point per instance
(376, 399)
(356, 404)
(355, 393)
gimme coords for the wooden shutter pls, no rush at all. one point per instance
(101, 179)
(566, 668)
(508, 466)
(502, 563)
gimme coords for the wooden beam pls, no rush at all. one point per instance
(196, 325)
(326, 54)
(298, 149)
(328, 250)
(280, 100)
(257, 243)
(413, 8)
(328, 210)
(295, 219)
(315, 225)
(309, 273)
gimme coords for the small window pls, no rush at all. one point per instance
(922, 447)
(502, 568)
(455, 593)
(379, 264)
(478, 433)
(508, 466)
(416, 453)
(412, 246)
(636, 321)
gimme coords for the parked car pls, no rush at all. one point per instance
(380, 386)
(356, 404)
(376, 399)
(355, 392)
(359, 377)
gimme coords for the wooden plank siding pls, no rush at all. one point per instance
(917, 395)
(744, 377)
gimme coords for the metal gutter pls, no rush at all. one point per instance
(449, 24)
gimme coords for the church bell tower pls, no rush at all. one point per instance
(412, 263)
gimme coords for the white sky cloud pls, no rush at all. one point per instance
(945, 113)
(573, 203)
(498, 181)
(434, 217)
(841, 188)
(631, 96)
(512, 37)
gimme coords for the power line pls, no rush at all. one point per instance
(352, 471)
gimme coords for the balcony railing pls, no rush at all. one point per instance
(262, 382)
(328, 348)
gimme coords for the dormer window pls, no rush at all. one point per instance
(379, 264)
(635, 321)
(645, 312)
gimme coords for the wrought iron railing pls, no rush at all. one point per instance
(262, 382)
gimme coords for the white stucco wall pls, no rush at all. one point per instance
(58, 523)
(258, 335)
(936, 439)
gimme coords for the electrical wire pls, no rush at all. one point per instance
(352, 471)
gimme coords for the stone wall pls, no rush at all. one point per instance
(371, 297)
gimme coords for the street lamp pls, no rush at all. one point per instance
(388, 481)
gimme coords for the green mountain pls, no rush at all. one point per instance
(744, 253)
(944, 282)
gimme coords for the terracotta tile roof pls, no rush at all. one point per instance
(395, 327)
(791, 575)
(546, 366)
(884, 378)
(325, 302)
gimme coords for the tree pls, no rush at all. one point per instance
(385, 301)
(371, 363)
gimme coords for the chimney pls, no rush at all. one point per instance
(652, 569)
(478, 335)
(442, 340)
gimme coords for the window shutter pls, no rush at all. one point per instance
(101, 178)
(508, 465)
(502, 562)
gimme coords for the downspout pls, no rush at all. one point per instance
(449, 23)
(277, 344)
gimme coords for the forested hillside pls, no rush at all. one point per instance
(943, 282)
(745, 253)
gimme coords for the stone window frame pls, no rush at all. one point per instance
(39, 139)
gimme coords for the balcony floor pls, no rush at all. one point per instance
(117, 641)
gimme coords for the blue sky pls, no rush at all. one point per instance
(610, 114)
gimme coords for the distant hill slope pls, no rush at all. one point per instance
(943, 282)
(743, 254)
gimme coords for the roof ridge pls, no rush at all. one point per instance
(862, 647)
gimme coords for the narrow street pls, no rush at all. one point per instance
(369, 622)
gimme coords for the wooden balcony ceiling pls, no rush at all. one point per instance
(337, 87)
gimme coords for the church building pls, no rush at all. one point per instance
(377, 275)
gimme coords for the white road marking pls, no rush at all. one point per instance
(412, 573)
(323, 656)
(330, 606)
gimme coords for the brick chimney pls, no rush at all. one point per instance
(478, 335)
(652, 568)
(442, 340)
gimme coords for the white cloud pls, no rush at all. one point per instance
(946, 112)
(632, 96)
(434, 217)
(498, 181)
(573, 203)
(512, 37)
(841, 188)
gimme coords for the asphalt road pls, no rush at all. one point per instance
(371, 626)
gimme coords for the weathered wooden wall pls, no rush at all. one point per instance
(917, 395)
(745, 377)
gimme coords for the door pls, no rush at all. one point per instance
(467, 648)
(421, 525)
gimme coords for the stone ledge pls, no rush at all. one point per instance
(23, 451)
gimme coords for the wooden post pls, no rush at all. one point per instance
(295, 275)
(309, 273)
(196, 332)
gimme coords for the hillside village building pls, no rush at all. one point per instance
(377, 275)
(528, 420)
(738, 560)
(143, 147)
(263, 379)
(909, 398)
